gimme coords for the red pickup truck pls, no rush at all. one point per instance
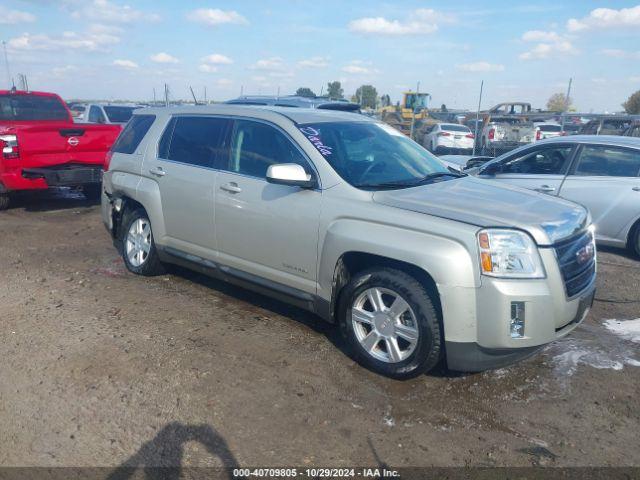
(42, 147)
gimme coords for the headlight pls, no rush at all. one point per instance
(509, 254)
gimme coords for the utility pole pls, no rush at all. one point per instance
(166, 95)
(475, 134)
(278, 96)
(6, 62)
(566, 104)
(418, 87)
(241, 90)
(205, 95)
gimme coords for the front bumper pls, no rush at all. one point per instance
(478, 320)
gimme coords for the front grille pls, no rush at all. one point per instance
(577, 261)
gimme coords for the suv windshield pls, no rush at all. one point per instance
(119, 114)
(31, 107)
(374, 155)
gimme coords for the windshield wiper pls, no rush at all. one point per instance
(412, 183)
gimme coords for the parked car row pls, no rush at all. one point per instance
(118, 114)
(42, 146)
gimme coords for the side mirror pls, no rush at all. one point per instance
(490, 169)
(290, 174)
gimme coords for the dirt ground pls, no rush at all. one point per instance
(100, 367)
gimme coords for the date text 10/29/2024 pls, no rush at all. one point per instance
(315, 473)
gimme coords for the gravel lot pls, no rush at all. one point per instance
(100, 367)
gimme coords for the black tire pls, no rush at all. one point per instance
(429, 348)
(635, 241)
(151, 265)
(93, 192)
(4, 201)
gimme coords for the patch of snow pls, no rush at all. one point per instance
(627, 329)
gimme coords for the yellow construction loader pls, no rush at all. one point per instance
(411, 117)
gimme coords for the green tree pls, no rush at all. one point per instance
(632, 105)
(558, 102)
(367, 96)
(305, 92)
(335, 91)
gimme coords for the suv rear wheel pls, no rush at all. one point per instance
(138, 248)
(4, 201)
(390, 322)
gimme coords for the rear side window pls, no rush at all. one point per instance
(96, 115)
(133, 133)
(193, 140)
(602, 161)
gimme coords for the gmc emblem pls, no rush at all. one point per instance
(585, 254)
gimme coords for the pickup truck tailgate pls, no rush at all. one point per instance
(51, 143)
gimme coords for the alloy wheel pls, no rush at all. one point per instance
(384, 324)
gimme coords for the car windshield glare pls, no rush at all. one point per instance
(372, 155)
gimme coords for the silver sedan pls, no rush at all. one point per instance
(600, 172)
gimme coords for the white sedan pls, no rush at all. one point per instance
(449, 138)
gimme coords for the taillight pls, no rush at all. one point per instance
(9, 144)
(491, 134)
(444, 134)
(470, 135)
(538, 135)
(563, 133)
(107, 161)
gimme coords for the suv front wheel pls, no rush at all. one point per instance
(390, 322)
(138, 248)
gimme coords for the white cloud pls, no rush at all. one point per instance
(206, 68)
(163, 57)
(125, 63)
(217, 59)
(272, 63)
(109, 12)
(87, 41)
(214, 16)
(358, 67)
(224, 82)
(61, 72)
(606, 18)
(618, 53)
(541, 36)
(422, 21)
(480, 67)
(551, 44)
(314, 62)
(11, 17)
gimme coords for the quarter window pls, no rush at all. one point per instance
(603, 161)
(133, 133)
(547, 161)
(255, 146)
(193, 140)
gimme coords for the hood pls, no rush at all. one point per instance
(488, 204)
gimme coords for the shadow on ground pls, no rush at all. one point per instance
(161, 458)
(49, 200)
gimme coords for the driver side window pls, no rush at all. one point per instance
(547, 161)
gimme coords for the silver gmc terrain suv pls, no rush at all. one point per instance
(344, 216)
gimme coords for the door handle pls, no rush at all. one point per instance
(231, 187)
(636, 189)
(158, 172)
(545, 189)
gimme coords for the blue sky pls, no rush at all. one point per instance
(523, 51)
